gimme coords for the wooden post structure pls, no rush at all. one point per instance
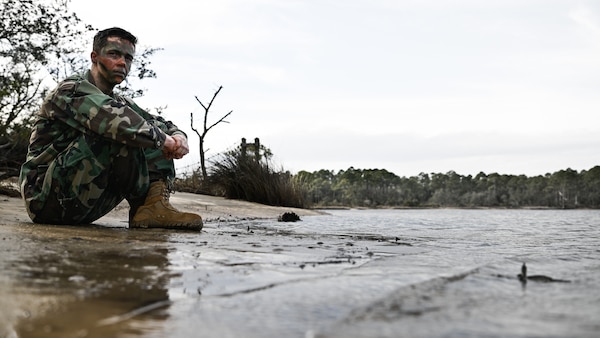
(256, 149)
(244, 147)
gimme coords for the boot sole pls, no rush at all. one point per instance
(175, 226)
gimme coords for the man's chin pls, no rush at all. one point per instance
(119, 78)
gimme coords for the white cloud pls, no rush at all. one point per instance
(587, 18)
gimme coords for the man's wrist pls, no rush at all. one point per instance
(169, 143)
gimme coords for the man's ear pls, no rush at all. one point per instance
(93, 56)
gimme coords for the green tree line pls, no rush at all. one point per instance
(380, 188)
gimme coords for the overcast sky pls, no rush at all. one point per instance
(510, 86)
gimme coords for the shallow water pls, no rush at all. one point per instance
(350, 273)
(489, 246)
(432, 273)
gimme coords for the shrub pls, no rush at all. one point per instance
(238, 175)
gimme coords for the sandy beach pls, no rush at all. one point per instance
(236, 278)
(213, 209)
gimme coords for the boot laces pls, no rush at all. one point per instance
(166, 194)
(169, 189)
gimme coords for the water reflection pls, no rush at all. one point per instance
(90, 281)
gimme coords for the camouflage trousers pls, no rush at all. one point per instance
(90, 178)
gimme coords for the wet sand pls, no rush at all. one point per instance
(236, 278)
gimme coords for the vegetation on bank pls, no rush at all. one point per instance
(240, 174)
(380, 188)
(247, 173)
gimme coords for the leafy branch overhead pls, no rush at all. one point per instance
(206, 128)
(41, 42)
(35, 38)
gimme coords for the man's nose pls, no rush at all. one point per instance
(121, 60)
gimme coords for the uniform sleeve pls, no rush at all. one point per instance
(84, 107)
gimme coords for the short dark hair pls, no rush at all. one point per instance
(101, 37)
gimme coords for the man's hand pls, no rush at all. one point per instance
(176, 147)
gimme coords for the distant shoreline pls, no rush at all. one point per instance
(440, 207)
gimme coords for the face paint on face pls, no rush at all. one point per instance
(115, 59)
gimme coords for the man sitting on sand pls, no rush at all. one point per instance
(91, 148)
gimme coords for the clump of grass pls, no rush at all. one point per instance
(237, 175)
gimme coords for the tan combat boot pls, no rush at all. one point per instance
(157, 212)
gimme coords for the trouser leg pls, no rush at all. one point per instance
(159, 168)
(88, 180)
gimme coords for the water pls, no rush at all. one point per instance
(349, 273)
(434, 273)
(483, 251)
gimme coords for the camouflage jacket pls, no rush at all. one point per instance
(76, 107)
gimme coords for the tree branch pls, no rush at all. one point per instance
(206, 128)
(222, 119)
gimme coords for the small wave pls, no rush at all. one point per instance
(410, 300)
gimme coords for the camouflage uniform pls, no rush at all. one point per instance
(88, 151)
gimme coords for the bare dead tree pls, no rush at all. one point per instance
(206, 128)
